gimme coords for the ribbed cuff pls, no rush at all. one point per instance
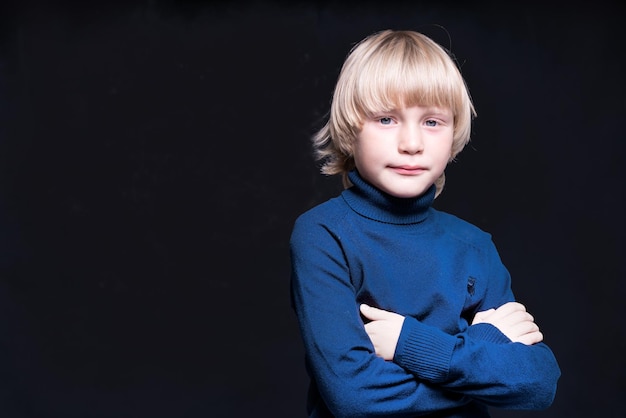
(424, 350)
(487, 332)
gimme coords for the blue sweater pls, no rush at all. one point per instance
(402, 255)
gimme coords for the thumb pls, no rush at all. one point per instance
(482, 316)
(372, 313)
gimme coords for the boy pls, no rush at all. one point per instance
(404, 310)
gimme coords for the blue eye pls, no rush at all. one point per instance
(385, 121)
(431, 123)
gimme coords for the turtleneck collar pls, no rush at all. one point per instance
(375, 204)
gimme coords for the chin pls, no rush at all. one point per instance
(404, 194)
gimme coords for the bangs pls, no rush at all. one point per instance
(407, 75)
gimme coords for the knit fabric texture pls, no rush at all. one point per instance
(435, 269)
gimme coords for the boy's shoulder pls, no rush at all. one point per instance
(328, 209)
(329, 216)
(462, 229)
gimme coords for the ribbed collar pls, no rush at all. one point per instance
(375, 204)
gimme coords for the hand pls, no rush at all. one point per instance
(384, 330)
(513, 321)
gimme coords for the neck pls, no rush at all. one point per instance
(375, 204)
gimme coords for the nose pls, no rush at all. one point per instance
(410, 141)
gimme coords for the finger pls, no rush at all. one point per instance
(374, 313)
(511, 307)
(482, 316)
(530, 338)
(526, 318)
(509, 313)
(516, 317)
(523, 328)
(374, 327)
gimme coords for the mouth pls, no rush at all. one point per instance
(408, 170)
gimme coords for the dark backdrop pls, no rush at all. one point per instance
(154, 155)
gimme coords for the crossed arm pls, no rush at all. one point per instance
(511, 319)
(432, 369)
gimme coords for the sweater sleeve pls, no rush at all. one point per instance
(484, 364)
(351, 379)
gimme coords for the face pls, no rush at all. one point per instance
(404, 151)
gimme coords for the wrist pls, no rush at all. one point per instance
(424, 350)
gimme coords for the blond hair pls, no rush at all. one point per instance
(388, 70)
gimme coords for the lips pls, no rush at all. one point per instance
(408, 170)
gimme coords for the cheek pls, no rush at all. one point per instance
(365, 153)
(364, 161)
(358, 150)
(357, 155)
(448, 149)
(443, 155)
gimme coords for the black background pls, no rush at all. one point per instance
(154, 155)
